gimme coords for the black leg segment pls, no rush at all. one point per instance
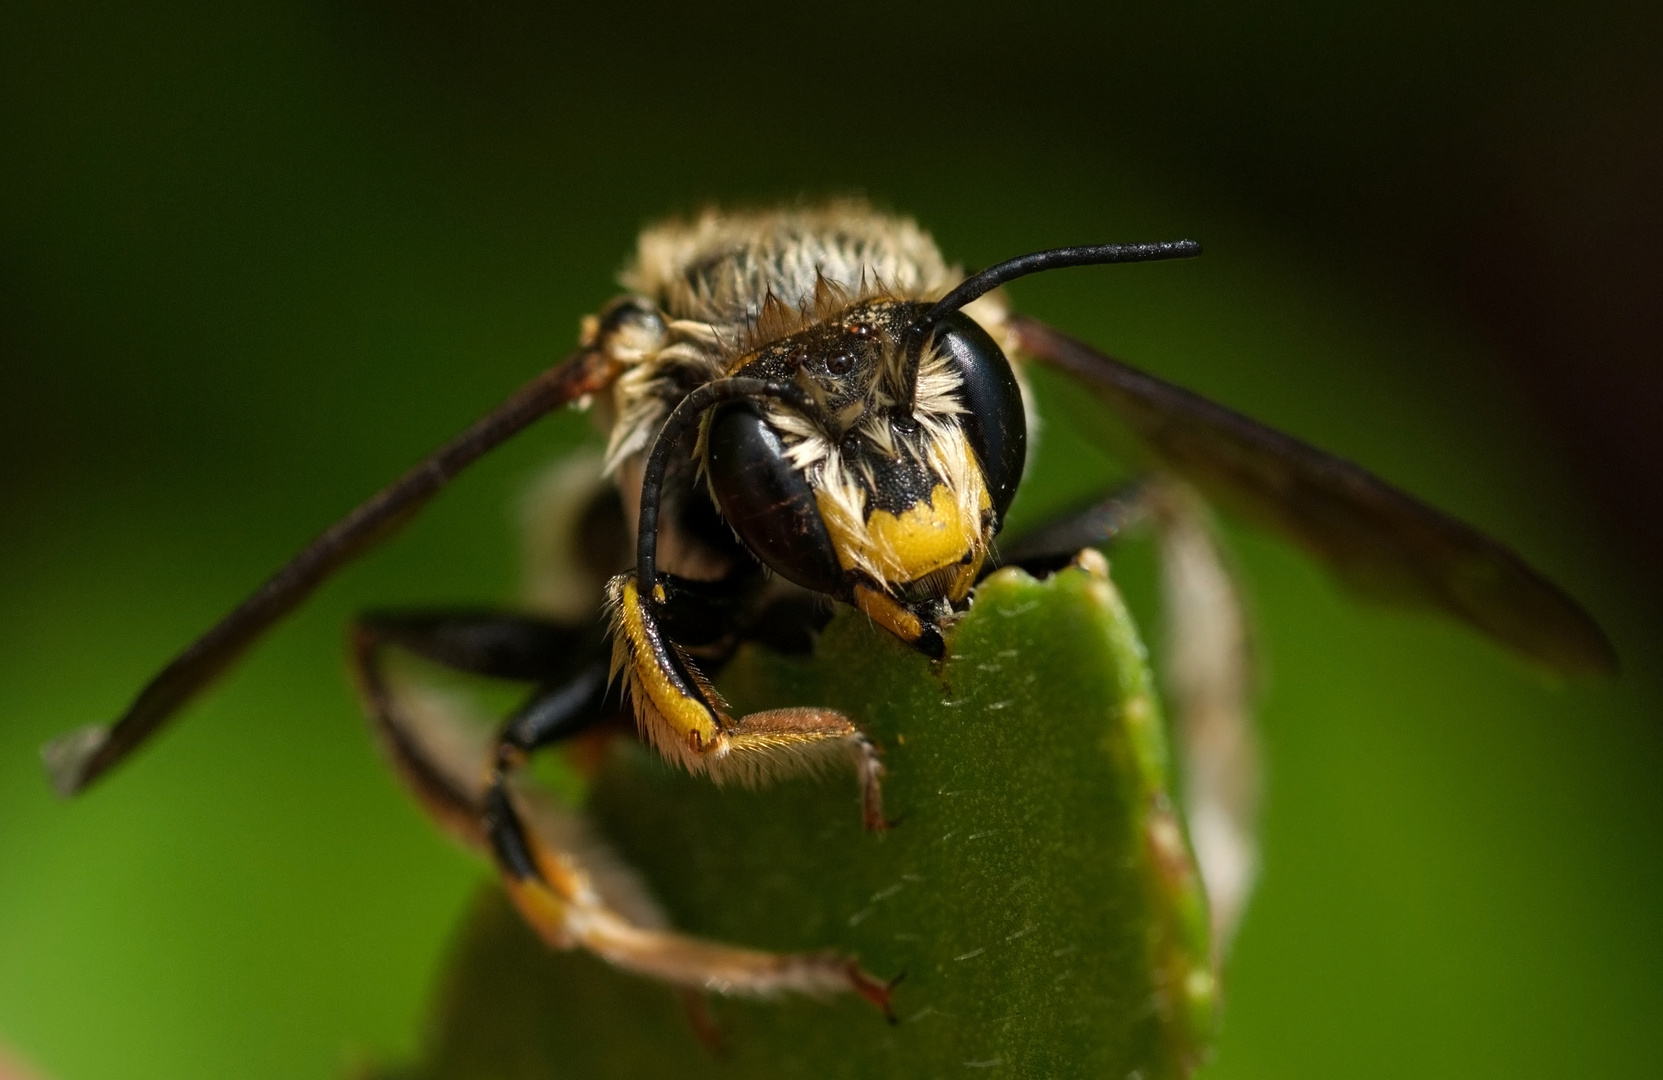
(1051, 546)
(492, 643)
(507, 835)
(569, 664)
(561, 710)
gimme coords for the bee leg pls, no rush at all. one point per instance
(564, 900)
(498, 644)
(423, 734)
(684, 718)
(1053, 545)
(573, 895)
(765, 746)
(569, 887)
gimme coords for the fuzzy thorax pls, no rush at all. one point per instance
(720, 267)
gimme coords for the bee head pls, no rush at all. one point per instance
(870, 450)
(898, 476)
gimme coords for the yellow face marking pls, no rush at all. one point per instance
(888, 614)
(921, 539)
(904, 547)
(689, 715)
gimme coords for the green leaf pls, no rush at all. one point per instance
(1037, 892)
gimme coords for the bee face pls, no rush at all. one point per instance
(870, 497)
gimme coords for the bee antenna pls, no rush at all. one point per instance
(979, 284)
(686, 414)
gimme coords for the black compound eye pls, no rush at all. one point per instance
(768, 501)
(994, 421)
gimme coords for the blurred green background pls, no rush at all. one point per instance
(256, 258)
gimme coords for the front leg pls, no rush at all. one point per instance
(681, 714)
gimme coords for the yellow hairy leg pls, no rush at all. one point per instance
(680, 714)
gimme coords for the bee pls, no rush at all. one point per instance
(805, 407)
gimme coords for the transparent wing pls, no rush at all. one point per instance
(1379, 540)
